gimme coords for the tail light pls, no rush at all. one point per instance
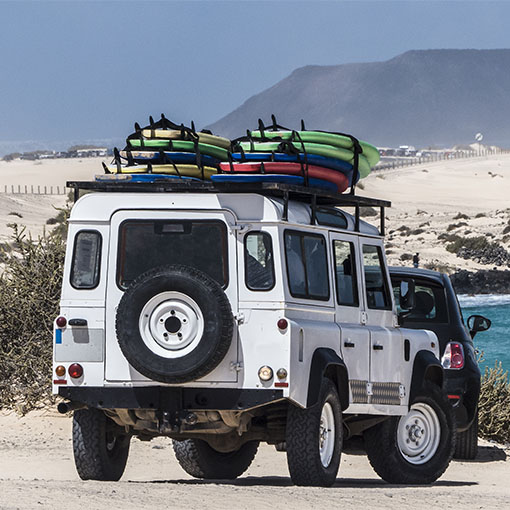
(453, 357)
(75, 370)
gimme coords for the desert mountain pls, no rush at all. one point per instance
(422, 97)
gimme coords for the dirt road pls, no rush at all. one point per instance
(37, 471)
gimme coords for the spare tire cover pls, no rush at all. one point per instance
(174, 324)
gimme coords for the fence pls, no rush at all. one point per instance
(31, 189)
(390, 162)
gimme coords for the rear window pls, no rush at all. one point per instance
(85, 267)
(147, 244)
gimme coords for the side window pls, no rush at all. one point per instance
(258, 261)
(430, 303)
(345, 267)
(378, 296)
(307, 265)
(85, 266)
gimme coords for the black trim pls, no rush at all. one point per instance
(169, 398)
(302, 234)
(226, 272)
(266, 235)
(73, 260)
(426, 367)
(327, 363)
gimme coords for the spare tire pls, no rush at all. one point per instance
(174, 324)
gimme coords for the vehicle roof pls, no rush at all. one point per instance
(417, 272)
(99, 207)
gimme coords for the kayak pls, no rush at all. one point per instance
(175, 134)
(181, 146)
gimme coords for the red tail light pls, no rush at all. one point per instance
(453, 357)
(75, 370)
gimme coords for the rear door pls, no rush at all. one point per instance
(143, 240)
(354, 338)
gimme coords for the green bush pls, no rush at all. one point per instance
(494, 405)
(29, 298)
(471, 243)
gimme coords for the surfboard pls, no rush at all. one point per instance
(327, 151)
(145, 177)
(184, 170)
(311, 159)
(181, 146)
(370, 152)
(340, 180)
(176, 157)
(287, 179)
(175, 134)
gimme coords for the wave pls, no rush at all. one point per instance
(475, 300)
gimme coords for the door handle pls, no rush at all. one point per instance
(377, 347)
(78, 322)
(349, 344)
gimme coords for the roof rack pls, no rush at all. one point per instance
(314, 196)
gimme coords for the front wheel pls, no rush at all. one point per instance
(314, 439)
(415, 448)
(100, 446)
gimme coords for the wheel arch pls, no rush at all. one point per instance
(426, 367)
(327, 363)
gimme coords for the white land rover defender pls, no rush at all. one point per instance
(222, 316)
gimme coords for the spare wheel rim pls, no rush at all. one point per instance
(171, 324)
(418, 434)
(327, 434)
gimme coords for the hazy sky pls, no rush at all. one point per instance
(88, 70)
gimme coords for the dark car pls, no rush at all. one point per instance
(435, 307)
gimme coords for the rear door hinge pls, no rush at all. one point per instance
(363, 317)
(240, 318)
(236, 366)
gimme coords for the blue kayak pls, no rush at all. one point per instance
(313, 159)
(282, 178)
(155, 157)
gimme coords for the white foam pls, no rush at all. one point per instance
(474, 300)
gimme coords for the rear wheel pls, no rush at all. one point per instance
(467, 442)
(200, 460)
(415, 448)
(100, 446)
(314, 439)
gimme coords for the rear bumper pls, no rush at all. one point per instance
(166, 398)
(463, 393)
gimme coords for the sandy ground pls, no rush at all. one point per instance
(37, 471)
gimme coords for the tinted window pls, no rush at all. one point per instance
(147, 244)
(377, 292)
(307, 265)
(430, 303)
(331, 217)
(85, 266)
(345, 265)
(258, 260)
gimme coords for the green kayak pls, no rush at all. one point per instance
(344, 142)
(181, 145)
(319, 149)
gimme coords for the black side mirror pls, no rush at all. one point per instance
(407, 295)
(477, 323)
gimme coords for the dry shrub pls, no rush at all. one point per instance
(494, 405)
(29, 297)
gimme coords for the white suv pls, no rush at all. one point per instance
(223, 316)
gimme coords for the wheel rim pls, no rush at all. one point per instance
(419, 433)
(327, 434)
(171, 324)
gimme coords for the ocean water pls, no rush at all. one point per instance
(494, 343)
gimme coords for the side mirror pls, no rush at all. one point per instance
(477, 323)
(407, 295)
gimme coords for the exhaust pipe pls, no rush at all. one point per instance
(66, 407)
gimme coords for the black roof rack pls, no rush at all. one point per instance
(314, 196)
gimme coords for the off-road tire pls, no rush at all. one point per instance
(303, 439)
(218, 324)
(384, 453)
(198, 459)
(466, 447)
(100, 448)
